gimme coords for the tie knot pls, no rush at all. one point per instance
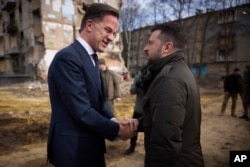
(95, 58)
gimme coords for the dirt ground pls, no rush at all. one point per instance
(25, 114)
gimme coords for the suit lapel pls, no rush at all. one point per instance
(88, 63)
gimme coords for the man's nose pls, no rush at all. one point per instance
(111, 36)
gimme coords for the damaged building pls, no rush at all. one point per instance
(32, 31)
(218, 41)
(21, 39)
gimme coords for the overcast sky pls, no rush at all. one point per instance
(171, 14)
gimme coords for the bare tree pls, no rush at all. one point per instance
(228, 19)
(129, 20)
(179, 8)
(160, 11)
(205, 27)
(223, 32)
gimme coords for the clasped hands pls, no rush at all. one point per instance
(128, 128)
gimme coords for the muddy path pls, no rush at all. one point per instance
(25, 114)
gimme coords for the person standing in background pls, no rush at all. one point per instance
(80, 120)
(135, 89)
(246, 93)
(232, 87)
(112, 84)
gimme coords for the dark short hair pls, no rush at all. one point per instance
(236, 69)
(97, 11)
(172, 31)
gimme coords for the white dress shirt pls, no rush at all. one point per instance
(87, 47)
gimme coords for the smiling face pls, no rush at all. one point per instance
(101, 33)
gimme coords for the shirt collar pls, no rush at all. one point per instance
(85, 45)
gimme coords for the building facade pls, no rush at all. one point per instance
(218, 41)
(21, 38)
(32, 31)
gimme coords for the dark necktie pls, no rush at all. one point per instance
(96, 67)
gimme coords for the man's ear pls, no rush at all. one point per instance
(89, 25)
(168, 47)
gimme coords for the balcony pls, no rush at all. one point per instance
(8, 5)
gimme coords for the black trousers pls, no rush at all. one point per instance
(140, 129)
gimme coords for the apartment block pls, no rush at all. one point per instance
(218, 41)
(33, 31)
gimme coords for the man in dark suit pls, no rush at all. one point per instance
(80, 120)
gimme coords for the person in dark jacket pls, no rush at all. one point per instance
(246, 92)
(232, 87)
(138, 111)
(171, 103)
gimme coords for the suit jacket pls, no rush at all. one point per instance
(80, 120)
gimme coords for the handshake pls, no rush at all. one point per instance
(128, 128)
